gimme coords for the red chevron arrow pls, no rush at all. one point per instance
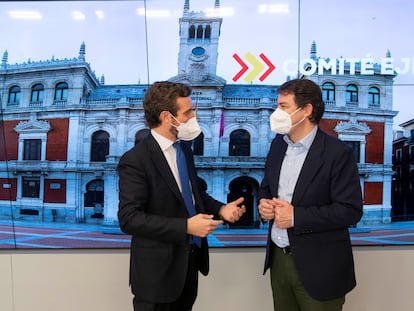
(268, 63)
(242, 64)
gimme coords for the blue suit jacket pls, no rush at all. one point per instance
(327, 200)
(152, 210)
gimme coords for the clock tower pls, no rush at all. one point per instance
(198, 52)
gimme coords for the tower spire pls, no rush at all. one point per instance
(186, 7)
(82, 51)
(313, 51)
(388, 55)
(4, 59)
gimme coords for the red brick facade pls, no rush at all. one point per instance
(8, 189)
(55, 191)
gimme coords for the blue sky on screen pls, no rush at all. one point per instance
(115, 36)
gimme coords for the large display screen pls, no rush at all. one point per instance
(73, 75)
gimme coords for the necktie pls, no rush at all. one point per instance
(185, 186)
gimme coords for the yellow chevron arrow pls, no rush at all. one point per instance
(257, 67)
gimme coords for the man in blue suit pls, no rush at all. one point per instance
(169, 244)
(310, 194)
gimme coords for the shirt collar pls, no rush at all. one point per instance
(305, 141)
(164, 142)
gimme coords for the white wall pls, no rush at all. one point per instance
(88, 280)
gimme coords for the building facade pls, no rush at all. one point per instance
(403, 181)
(63, 131)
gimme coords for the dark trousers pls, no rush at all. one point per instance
(188, 296)
(288, 291)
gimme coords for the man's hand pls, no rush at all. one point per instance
(232, 212)
(283, 213)
(202, 225)
(267, 209)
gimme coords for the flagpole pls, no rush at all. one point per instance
(221, 130)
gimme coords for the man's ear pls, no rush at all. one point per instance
(308, 110)
(164, 117)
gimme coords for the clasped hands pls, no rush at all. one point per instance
(279, 210)
(203, 224)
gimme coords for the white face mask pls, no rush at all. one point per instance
(188, 130)
(281, 122)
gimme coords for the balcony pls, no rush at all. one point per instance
(60, 103)
(236, 162)
(36, 103)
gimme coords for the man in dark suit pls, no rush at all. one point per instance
(310, 194)
(169, 244)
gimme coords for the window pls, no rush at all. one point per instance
(199, 32)
(398, 155)
(37, 93)
(328, 92)
(351, 94)
(100, 146)
(239, 143)
(14, 95)
(61, 91)
(31, 187)
(373, 96)
(140, 135)
(208, 32)
(94, 193)
(355, 146)
(191, 32)
(32, 149)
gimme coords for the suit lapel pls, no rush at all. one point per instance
(275, 164)
(161, 164)
(311, 166)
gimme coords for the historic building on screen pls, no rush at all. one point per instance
(63, 131)
(403, 181)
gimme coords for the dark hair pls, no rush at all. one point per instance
(162, 96)
(306, 92)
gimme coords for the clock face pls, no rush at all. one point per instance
(198, 51)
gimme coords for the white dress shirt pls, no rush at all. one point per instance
(292, 165)
(170, 154)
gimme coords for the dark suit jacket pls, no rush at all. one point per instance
(152, 210)
(327, 200)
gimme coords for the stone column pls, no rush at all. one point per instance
(111, 193)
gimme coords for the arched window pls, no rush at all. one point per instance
(199, 32)
(100, 146)
(198, 145)
(14, 95)
(140, 135)
(208, 32)
(37, 93)
(94, 193)
(239, 143)
(328, 92)
(351, 94)
(61, 91)
(373, 96)
(191, 32)
(245, 187)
